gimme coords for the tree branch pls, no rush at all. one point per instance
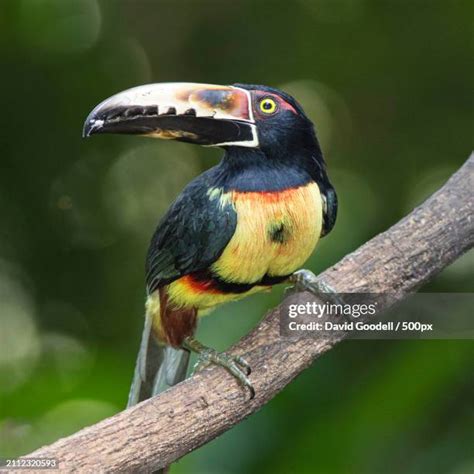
(156, 432)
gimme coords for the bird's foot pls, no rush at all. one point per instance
(306, 280)
(235, 365)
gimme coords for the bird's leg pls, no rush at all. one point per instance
(235, 365)
(306, 280)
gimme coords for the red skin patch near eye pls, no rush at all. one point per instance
(282, 104)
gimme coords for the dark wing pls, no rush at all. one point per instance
(328, 194)
(329, 209)
(190, 237)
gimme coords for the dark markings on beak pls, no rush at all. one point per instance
(113, 114)
(213, 115)
(216, 98)
(133, 111)
(150, 110)
(127, 112)
(186, 128)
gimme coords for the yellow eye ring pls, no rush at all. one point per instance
(268, 106)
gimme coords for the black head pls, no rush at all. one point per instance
(282, 125)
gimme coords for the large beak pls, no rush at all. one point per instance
(197, 113)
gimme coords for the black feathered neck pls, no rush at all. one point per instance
(249, 169)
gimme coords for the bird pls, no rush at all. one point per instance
(242, 226)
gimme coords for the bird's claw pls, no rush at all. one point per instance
(306, 280)
(235, 365)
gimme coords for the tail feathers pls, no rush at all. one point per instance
(157, 368)
(172, 370)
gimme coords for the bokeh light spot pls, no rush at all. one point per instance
(326, 109)
(70, 416)
(73, 204)
(128, 59)
(425, 184)
(19, 339)
(143, 181)
(65, 203)
(69, 358)
(59, 26)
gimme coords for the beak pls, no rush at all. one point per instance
(195, 113)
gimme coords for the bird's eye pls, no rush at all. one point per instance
(268, 106)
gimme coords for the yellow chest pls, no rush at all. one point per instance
(276, 233)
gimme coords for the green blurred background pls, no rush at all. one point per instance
(389, 86)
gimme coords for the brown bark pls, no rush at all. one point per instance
(156, 432)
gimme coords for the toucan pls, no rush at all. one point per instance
(240, 227)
